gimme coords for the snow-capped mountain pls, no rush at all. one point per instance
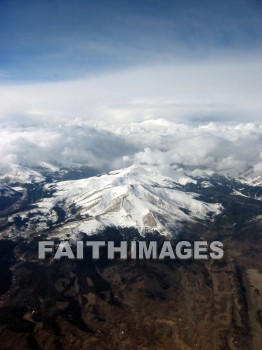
(18, 174)
(138, 196)
(147, 198)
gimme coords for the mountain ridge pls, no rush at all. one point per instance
(148, 198)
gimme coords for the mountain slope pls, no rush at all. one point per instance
(139, 197)
(147, 198)
(18, 174)
(8, 196)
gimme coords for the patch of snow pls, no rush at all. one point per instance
(23, 175)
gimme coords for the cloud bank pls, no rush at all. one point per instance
(228, 148)
(208, 90)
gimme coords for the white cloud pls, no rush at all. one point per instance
(229, 148)
(225, 89)
(67, 145)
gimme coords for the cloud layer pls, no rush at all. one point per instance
(229, 148)
(206, 90)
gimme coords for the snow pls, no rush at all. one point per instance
(206, 184)
(145, 197)
(238, 193)
(251, 181)
(7, 191)
(23, 175)
(202, 173)
(48, 166)
(186, 180)
(138, 196)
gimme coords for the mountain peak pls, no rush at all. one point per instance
(137, 196)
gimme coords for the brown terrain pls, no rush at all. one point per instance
(135, 305)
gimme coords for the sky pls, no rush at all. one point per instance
(54, 40)
(98, 58)
(66, 64)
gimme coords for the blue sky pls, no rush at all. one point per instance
(55, 40)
